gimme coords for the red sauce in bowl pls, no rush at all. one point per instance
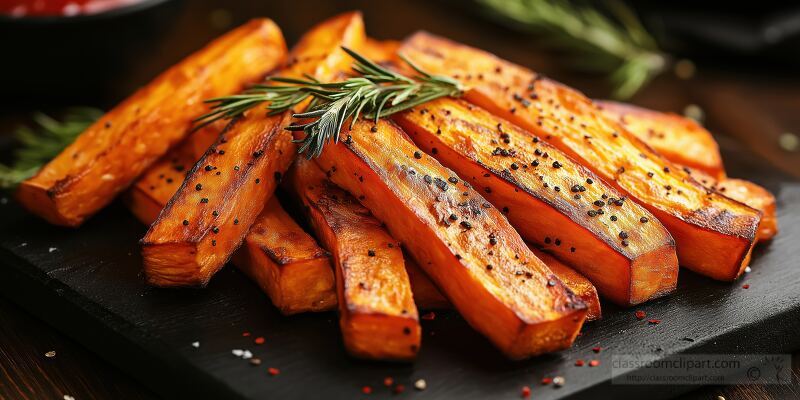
(59, 8)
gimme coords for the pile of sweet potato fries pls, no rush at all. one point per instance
(516, 204)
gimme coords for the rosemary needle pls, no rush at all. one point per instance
(375, 92)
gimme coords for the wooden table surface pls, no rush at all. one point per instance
(743, 108)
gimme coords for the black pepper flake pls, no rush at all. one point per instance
(492, 241)
(215, 229)
(209, 168)
(236, 221)
(557, 189)
(592, 213)
(374, 129)
(417, 155)
(625, 243)
(371, 253)
(453, 217)
(221, 152)
(643, 220)
(666, 169)
(185, 222)
(258, 180)
(258, 153)
(650, 174)
(623, 235)
(442, 185)
(572, 249)
(452, 179)
(535, 163)
(558, 242)
(235, 167)
(489, 267)
(575, 188)
(547, 240)
(505, 210)
(466, 225)
(198, 187)
(215, 213)
(204, 200)
(599, 203)
(556, 164)
(514, 166)
(213, 242)
(613, 217)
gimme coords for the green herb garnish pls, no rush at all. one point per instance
(45, 141)
(374, 93)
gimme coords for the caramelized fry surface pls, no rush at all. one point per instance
(551, 200)
(464, 244)
(714, 234)
(377, 313)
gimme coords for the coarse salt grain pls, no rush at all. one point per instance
(420, 384)
(237, 352)
(52, 249)
(50, 354)
(195, 344)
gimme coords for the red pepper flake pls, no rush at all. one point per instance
(273, 371)
(640, 314)
(259, 340)
(654, 321)
(746, 286)
(245, 334)
(547, 380)
(388, 381)
(579, 363)
(594, 363)
(597, 349)
(399, 389)
(366, 389)
(429, 316)
(526, 392)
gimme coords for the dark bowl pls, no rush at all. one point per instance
(55, 60)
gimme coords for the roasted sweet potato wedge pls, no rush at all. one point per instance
(680, 140)
(714, 234)
(287, 263)
(207, 219)
(110, 154)
(277, 254)
(686, 143)
(550, 199)
(576, 282)
(377, 314)
(464, 244)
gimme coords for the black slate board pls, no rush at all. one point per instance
(87, 283)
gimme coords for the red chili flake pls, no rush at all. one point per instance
(597, 349)
(429, 316)
(594, 363)
(579, 363)
(654, 321)
(640, 314)
(366, 389)
(259, 340)
(245, 334)
(388, 381)
(399, 389)
(273, 371)
(526, 392)
(746, 286)
(547, 380)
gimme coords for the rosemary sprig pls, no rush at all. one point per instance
(615, 44)
(40, 144)
(375, 92)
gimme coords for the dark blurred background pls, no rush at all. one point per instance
(732, 66)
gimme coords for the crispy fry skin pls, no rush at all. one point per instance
(502, 290)
(277, 254)
(714, 234)
(683, 141)
(678, 139)
(748, 193)
(573, 280)
(287, 263)
(377, 314)
(227, 189)
(550, 199)
(110, 154)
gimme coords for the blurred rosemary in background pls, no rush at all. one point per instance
(612, 42)
(40, 144)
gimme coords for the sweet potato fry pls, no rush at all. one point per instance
(678, 139)
(464, 244)
(208, 217)
(686, 143)
(110, 154)
(550, 199)
(287, 263)
(277, 254)
(714, 234)
(576, 282)
(377, 314)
